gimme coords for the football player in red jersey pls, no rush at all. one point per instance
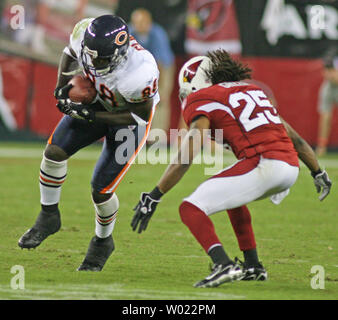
(215, 96)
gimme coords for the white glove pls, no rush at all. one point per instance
(322, 183)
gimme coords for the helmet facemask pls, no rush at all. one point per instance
(100, 66)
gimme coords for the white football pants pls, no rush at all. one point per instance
(245, 181)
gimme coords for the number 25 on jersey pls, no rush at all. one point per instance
(257, 110)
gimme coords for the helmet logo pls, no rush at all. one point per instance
(121, 38)
(190, 72)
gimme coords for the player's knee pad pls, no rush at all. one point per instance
(55, 153)
(52, 176)
(106, 211)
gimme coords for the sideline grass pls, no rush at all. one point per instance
(163, 262)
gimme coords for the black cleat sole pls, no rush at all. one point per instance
(46, 224)
(99, 251)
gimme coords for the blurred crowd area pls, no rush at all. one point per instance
(159, 26)
(47, 24)
(290, 45)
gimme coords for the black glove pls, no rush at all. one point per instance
(75, 110)
(145, 209)
(62, 95)
(322, 183)
(79, 111)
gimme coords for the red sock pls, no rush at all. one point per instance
(241, 222)
(199, 224)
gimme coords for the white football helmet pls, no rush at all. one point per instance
(192, 76)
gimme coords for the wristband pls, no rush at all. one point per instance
(314, 173)
(156, 194)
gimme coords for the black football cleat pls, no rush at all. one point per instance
(99, 251)
(220, 274)
(253, 273)
(45, 225)
(257, 273)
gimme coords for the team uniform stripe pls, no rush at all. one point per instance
(101, 217)
(51, 136)
(113, 186)
(215, 106)
(49, 176)
(104, 223)
(51, 181)
(48, 185)
(106, 220)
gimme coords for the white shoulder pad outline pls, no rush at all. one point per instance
(212, 106)
(77, 35)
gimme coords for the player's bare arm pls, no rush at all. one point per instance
(307, 155)
(66, 64)
(173, 174)
(128, 117)
(304, 150)
(189, 149)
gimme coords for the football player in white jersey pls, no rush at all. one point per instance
(125, 77)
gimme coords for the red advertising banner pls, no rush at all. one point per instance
(27, 94)
(15, 74)
(44, 114)
(28, 88)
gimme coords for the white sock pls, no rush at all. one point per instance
(105, 216)
(52, 176)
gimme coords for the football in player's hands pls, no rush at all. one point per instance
(83, 90)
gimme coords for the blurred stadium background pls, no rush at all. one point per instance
(283, 42)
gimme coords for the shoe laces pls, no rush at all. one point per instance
(240, 262)
(214, 267)
(245, 266)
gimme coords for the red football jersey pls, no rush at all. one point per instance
(250, 124)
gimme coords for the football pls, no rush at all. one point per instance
(83, 90)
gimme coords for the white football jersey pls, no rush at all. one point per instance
(134, 80)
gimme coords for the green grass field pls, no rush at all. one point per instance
(165, 261)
